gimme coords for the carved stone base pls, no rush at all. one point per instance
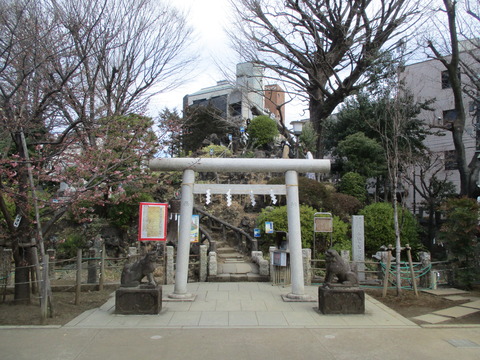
(338, 300)
(138, 300)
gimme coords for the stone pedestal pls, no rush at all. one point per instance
(139, 300)
(341, 300)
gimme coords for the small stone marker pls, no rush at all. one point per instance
(358, 245)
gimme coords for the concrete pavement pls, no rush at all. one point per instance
(237, 305)
(240, 321)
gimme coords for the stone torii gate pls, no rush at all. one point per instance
(291, 168)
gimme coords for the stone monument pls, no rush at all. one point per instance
(344, 295)
(135, 297)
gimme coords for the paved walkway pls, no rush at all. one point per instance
(471, 306)
(240, 305)
(244, 321)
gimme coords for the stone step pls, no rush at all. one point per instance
(230, 260)
(237, 268)
(230, 256)
(226, 249)
(250, 277)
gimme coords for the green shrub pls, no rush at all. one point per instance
(125, 213)
(262, 130)
(459, 230)
(310, 192)
(341, 238)
(460, 234)
(278, 216)
(353, 184)
(379, 227)
(343, 205)
(68, 248)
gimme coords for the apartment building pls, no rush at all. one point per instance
(246, 98)
(429, 80)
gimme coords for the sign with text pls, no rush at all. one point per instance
(268, 227)
(323, 222)
(152, 223)
(195, 230)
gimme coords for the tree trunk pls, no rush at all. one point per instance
(431, 225)
(398, 245)
(458, 126)
(474, 181)
(316, 117)
(22, 293)
(22, 235)
(457, 135)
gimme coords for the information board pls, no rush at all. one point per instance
(152, 223)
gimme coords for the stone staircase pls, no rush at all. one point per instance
(232, 266)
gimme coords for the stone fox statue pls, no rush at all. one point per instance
(132, 274)
(337, 266)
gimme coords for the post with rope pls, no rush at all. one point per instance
(78, 287)
(387, 271)
(102, 268)
(412, 272)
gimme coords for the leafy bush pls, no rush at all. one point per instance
(354, 184)
(262, 130)
(68, 248)
(343, 205)
(278, 216)
(340, 236)
(379, 227)
(310, 192)
(125, 212)
(460, 233)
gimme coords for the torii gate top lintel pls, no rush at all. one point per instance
(241, 165)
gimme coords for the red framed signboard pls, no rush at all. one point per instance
(152, 222)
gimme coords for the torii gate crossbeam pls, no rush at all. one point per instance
(289, 166)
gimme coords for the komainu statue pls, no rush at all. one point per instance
(338, 267)
(132, 274)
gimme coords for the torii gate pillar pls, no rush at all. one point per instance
(183, 247)
(295, 236)
(289, 166)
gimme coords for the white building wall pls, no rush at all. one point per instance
(250, 83)
(424, 80)
(248, 89)
(222, 88)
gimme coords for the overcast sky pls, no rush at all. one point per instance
(209, 18)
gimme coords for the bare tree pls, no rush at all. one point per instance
(139, 49)
(71, 74)
(433, 188)
(393, 128)
(321, 49)
(30, 39)
(448, 50)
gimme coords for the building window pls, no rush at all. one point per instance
(450, 160)
(446, 80)
(236, 109)
(449, 116)
(446, 83)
